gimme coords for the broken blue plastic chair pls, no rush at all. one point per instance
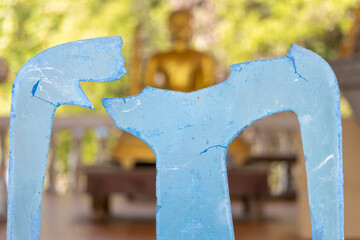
(190, 133)
(48, 80)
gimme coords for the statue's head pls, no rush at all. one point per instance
(179, 24)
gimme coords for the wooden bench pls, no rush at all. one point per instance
(247, 184)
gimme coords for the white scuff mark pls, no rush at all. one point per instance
(34, 68)
(35, 203)
(185, 165)
(296, 79)
(329, 179)
(169, 169)
(46, 80)
(136, 104)
(224, 208)
(44, 91)
(172, 169)
(306, 118)
(192, 227)
(331, 156)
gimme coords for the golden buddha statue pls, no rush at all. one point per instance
(180, 69)
(184, 69)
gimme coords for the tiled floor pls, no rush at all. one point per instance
(69, 218)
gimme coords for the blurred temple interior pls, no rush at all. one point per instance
(100, 181)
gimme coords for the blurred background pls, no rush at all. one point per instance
(100, 182)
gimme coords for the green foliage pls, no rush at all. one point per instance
(89, 146)
(63, 150)
(255, 29)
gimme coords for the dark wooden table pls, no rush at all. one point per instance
(247, 183)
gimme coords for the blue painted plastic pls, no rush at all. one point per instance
(190, 133)
(48, 80)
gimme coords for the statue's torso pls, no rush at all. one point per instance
(182, 70)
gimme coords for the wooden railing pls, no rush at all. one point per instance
(270, 136)
(102, 125)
